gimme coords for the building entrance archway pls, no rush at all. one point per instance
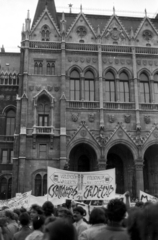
(82, 158)
(120, 157)
(151, 170)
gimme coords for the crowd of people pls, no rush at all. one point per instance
(118, 221)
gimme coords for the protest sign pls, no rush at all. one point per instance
(145, 197)
(16, 202)
(98, 185)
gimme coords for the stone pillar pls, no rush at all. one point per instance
(152, 95)
(117, 89)
(100, 84)
(82, 87)
(63, 158)
(136, 89)
(139, 177)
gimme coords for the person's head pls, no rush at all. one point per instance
(133, 223)
(24, 219)
(97, 216)
(65, 213)
(139, 204)
(78, 213)
(35, 211)
(60, 230)
(48, 208)
(116, 210)
(38, 222)
(9, 215)
(17, 211)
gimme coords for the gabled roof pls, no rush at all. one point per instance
(86, 20)
(142, 23)
(51, 19)
(114, 17)
(42, 4)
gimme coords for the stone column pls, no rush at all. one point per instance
(152, 96)
(139, 177)
(117, 89)
(82, 87)
(136, 89)
(100, 83)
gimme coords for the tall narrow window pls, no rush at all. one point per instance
(11, 156)
(156, 88)
(38, 67)
(42, 151)
(74, 85)
(10, 122)
(124, 87)
(43, 108)
(89, 86)
(45, 184)
(4, 156)
(144, 88)
(50, 68)
(109, 87)
(45, 33)
(38, 185)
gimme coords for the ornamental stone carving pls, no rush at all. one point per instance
(127, 118)
(70, 59)
(111, 118)
(120, 133)
(76, 59)
(82, 60)
(83, 133)
(74, 117)
(50, 88)
(91, 117)
(115, 32)
(31, 88)
(88, 59)
(144, 62)
(38, 88)
(81, 31)
(147, 119)
(56, 88)
(155, 133)
(147, 35)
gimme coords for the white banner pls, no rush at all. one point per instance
(145, 197)
(98, 185)
(17, 202)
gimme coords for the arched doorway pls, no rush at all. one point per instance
(83, 158)
(151, 170)
(120, 157)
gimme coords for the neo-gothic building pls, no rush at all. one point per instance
(81, 95)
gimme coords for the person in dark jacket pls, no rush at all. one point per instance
(25, 230)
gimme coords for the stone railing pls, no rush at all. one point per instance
(43, 130)
(45, 45)
(119, 105)
(6, 138)
(82, 47)
(115, 48)
(146, 50)
(148, 106)
(82, 104)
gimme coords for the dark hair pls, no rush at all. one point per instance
(80, 210)
(61, 229)
(97, 216)
(9, 214)
(66, 211)
(48, 208)
(17, 211)
(37, 208)
(149, 223)
(38, 222)
(139, 204)
(133, 223)
(50, 220)
(116, 210)
(24, 219)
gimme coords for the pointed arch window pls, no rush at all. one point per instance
(75, 90)
(50, 68)
(124, 87)
(89, 86)
(45, 33)
(40, 184)
(5, 187)
(110, 87)
(38, 67)
(156, 88)
(10, 122)
(43, 108)
(144, 88)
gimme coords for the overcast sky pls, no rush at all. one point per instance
(13, 14)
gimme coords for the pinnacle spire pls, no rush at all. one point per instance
(42, 4)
